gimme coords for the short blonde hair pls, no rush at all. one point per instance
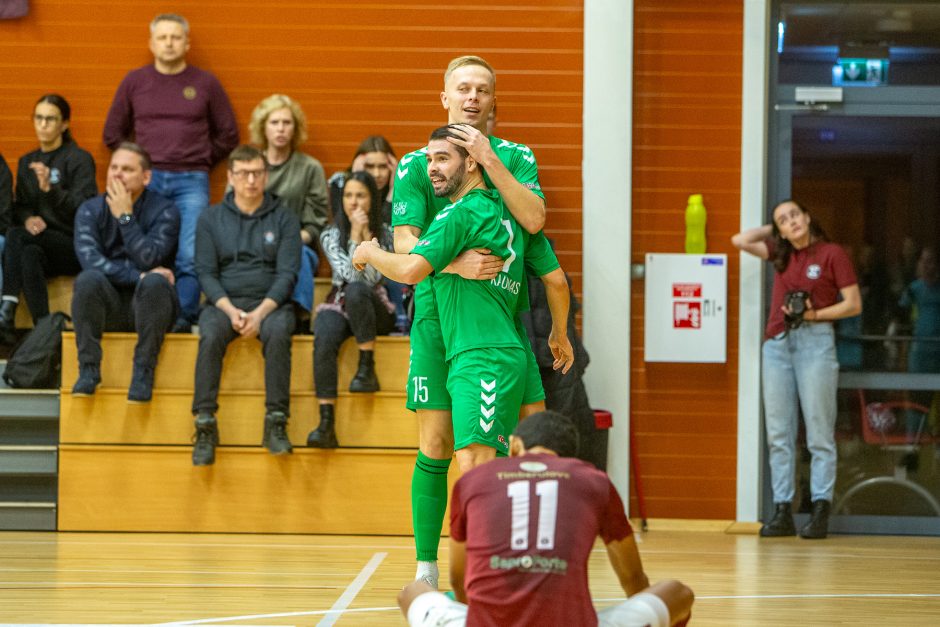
(170, 17)
(468, 59)
(268, 106)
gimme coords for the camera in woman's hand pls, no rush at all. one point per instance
(795, 302)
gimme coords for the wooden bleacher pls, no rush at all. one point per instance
(60, 299)
(127, 467)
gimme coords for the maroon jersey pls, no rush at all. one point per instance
(529, 524)
(821, 269)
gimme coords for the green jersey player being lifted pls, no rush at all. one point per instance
(485, 355)
(468, 97)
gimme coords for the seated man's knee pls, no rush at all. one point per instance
(153, 280)
(212, 325)
(278, 326)
(88, 282)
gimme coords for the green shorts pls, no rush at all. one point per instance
(486, 386)
(427, 370)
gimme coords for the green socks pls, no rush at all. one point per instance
(428, 504)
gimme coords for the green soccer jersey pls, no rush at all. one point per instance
(476, 314)
(414, 204)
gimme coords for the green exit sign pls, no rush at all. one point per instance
(860, 72)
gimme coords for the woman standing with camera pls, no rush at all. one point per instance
(814, 284)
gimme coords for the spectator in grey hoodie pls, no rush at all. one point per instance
(247, 258)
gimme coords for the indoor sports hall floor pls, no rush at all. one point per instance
(251, 580)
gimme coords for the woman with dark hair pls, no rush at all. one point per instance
(51, 182)
(357, 305)
(376, 156)
(814, 284)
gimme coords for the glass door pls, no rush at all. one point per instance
(868, 168)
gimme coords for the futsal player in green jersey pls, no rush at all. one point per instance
(468, 98)
(485, 355)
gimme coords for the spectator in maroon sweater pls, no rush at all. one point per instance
(182, 117)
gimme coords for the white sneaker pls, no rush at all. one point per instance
(428, 573)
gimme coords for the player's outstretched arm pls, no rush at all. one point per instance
(625, 558)
(406, 237)
(402, 268)
(559, 301)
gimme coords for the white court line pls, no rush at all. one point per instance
(347, 597)
(330, 616)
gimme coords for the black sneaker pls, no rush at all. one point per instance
(781, 524)
(275, 433)
(205, 440)
(141, 389)
(89, 377)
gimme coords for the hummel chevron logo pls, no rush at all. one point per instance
(488, 399)
(441, 216)
(402, 173)
(488, 386)
(487, 411)
(406, 160)
(486, 425)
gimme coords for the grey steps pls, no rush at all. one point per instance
(33, 516)
(29, 435)
(29, 460)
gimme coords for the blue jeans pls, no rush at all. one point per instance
(801, 372)
(190, 192)
(303, 291)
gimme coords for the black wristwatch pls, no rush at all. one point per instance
(125, 218)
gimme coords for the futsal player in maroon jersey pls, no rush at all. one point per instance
(522, 529)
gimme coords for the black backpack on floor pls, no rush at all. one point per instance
(36, 361)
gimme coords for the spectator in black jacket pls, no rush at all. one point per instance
(51, 182)
(6, 201)
(126, 242)
(564, 392)
(247, 258)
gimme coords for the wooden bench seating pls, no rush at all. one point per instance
(142, 488)
(127, 467)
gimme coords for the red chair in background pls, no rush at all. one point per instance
(882, 426)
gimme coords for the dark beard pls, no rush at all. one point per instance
(453, 184)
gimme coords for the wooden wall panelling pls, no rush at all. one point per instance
(686, 139)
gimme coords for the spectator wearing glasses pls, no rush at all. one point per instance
(51, 182)
(247, 258)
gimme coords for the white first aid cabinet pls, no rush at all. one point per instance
(686, 308)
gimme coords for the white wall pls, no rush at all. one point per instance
(606, 172)
(755, 90)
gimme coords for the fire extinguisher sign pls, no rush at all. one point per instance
(685, 317)
(686, 314)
